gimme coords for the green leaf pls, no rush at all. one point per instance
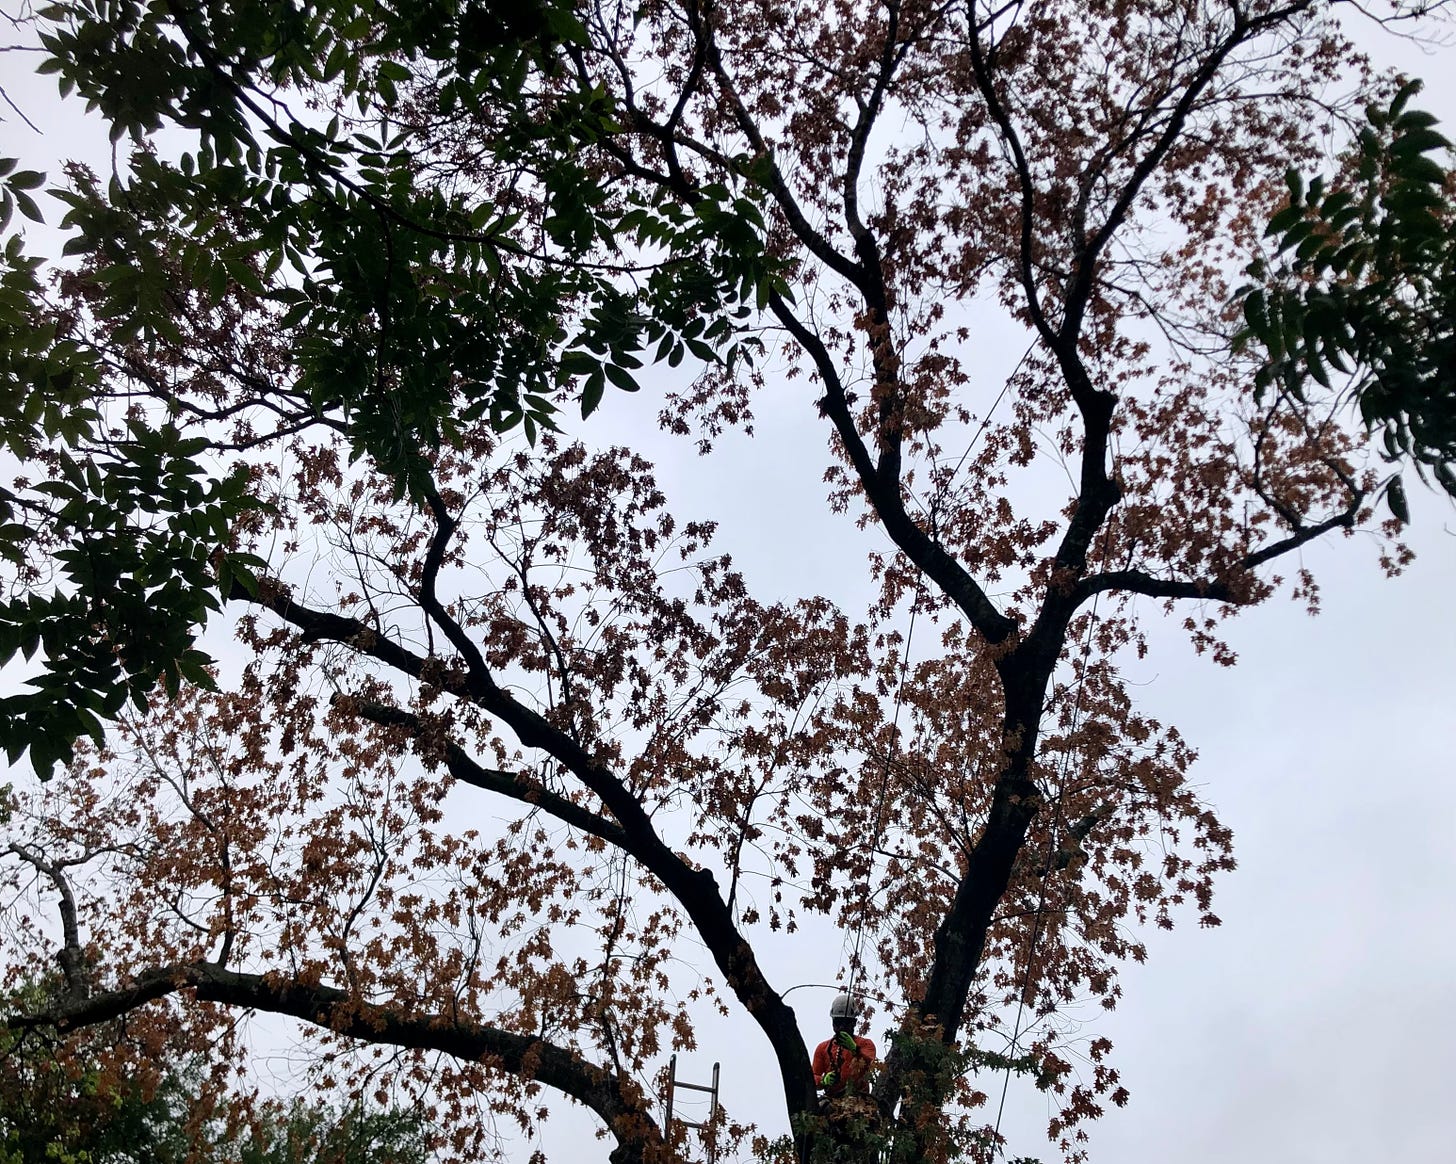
(1295, 181)
(27, 206)
(591, 393)
(579, 363)
(621, 378)
(1395, 499)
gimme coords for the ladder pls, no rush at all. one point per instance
(673, 1084)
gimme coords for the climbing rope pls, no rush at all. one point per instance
(854, 965)
(854, 962)
(1042, 893)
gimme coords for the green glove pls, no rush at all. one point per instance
(828, 1079)
(846, 1040)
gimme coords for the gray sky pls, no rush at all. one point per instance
(1317, 1023)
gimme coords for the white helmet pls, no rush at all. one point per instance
(844, 1006)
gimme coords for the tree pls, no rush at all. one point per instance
(53, 1107)
(533, 629)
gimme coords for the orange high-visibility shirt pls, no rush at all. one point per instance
(851, 1068)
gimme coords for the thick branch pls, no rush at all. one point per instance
(1097, 493)
(70, 957)
(961, 938)
(981, 69)
(510, 784)
(890, 57)
(1138, 582)
(696, 890)
(871, 282)
(1303, 534)
(618, 1102)
(884, 496)
(445, 527)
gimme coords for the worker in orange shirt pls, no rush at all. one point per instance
(842, 1063)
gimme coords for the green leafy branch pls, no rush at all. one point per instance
(1363, 285)
(410, 301)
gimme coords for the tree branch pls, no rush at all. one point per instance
(71, 957)
(1097, 493)
(617, 1101)
(700, 19)
(1301, 535)
(1242, 31)
(509, 784)
(696, 890)
(1138, 582)
(884, 496)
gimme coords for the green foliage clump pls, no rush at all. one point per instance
(1364, 285)
(429, 221)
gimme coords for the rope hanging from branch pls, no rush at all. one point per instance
(855, 963)
(1036, 920)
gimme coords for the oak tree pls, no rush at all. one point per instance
(513, 732)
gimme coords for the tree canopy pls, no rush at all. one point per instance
(512, 730)
(411, 283)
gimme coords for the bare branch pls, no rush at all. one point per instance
(884, 496)
(1139, 582)
(510, 784)
(70, 956)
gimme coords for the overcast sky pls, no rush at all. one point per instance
(1317, 1023)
